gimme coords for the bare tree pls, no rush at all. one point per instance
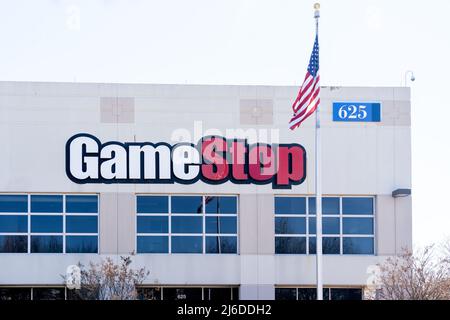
(109, 281)
(420, 276)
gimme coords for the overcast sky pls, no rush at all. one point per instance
(363, 43)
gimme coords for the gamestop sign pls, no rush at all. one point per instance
(213, 160)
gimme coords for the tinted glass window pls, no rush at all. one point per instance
(290, 205)
(81, 244)
(312, 245)
(187, 244)
(311, 294)
(307, 294)
(221, 224)
(312, 225)
(290, 225)
(360, 206)
(48, 294)
(326, 294)
(358, 226)
(75, 294)
(221, 244)
(182, 294)
(235, 292)
(16, 224)
(46, 224)
(13, 203)
(81, 204)
(13, 294)
(329, 226)
(81, 224)
(152, 224)
(153, 244)
(221, 204)
(187, 217)
(330, 245)
(285, 294)
(46, 244)
(187, 204)
(47, 203)
(330, 206)
(346, 294)
(290, 245)
(184, 224)
(149, 293)
(13, 244)
(152, 204)
(358, 246)
(217, 294)
(334, 227)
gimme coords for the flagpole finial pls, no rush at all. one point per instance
(317, 10)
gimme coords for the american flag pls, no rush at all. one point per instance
(308, 98)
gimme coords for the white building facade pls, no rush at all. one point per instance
(232, 238)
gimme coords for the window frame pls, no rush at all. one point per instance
(205, 290)
(329, 288)
(203, 214)
(341, 216)
(29, 234)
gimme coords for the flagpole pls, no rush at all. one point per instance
(318, 186)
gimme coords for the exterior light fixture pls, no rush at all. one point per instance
(401, 193)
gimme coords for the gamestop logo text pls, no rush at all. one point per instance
(213, 160)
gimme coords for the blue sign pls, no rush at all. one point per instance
(357, 112)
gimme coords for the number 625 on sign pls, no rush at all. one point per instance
(357, 111)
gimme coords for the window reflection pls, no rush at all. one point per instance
(290, 225)
(290, 205)
(47, 203)
(13, 294)
(152, 204)
(193, 228)
(347, 225)
(358, 246)
(49, 294)
(81, 244)
(221, 244)
(311, 294)
(187, 244)
(221, 224)
(149, 293)
(153, 244)
(285, 294)
(224, 205)
(11, 203)
(290, 245)
(359, 206)
(46, 244)
(13, 224)
(13, 244)
(187, 204)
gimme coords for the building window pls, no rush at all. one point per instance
(49, 293)
(13, 223)
(187, 224)
(38, 293)
(39, 223)
(347, 225)
(143, 293)
(13, 294)
(189, 293)
(311, 294)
